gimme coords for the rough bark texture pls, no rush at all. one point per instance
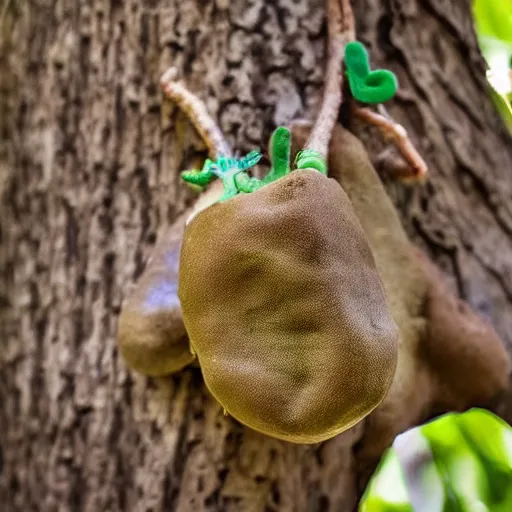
(89, 163)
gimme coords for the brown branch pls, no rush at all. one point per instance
(397, 134)
(341, 30)
(197, 113)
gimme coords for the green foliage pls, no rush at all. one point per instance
(387, 491)
(503, 104)
(460, 463)
(493, 20)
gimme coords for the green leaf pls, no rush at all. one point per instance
(375, 504)
(464, 478)
(465, 457)
(387, 491)
(490, 438)
(494, 19)
(503, 105)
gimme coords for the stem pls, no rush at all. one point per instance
(341, 31)
(198, 115)
(398, 136)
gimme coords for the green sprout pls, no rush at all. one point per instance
(367, 86)
(310, 159)
(202, 177)
(279, 151)
(232, 171)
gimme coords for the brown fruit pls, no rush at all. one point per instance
(286, 311)
(151, 334)
(449, 358)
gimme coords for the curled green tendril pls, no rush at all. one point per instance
(310, 159)
(279, 152)
(202, 177)
(367, 86)
(246, 184)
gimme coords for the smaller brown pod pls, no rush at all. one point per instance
(151, 334)
(286, 311)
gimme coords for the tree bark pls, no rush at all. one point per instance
(90, 156)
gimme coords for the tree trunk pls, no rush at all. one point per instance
(89, 162)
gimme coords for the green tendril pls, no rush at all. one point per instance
(279, 152)
(202, 177)
(310, 159)
(367, 86)
(232, 173)
(246, 184)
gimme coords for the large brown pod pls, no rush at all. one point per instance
(286, 311)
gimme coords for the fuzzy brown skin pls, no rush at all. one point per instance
(456, 333)
(449, 357)
(151, 335)
(286, 311)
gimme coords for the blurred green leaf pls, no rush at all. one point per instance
(469, 455)
(464, 478)
(387, 491)
(374, 504)
(490, 438)
(503, 104)
(494, 19)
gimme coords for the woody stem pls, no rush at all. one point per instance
(198, 115)
(341, 30)
(397, 134)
